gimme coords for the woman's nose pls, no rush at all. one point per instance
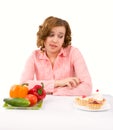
(54, 39)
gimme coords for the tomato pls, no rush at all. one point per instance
(32, 98)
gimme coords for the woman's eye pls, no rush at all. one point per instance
(51, 34)
(60, 36)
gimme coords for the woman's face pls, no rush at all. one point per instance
(55, 40)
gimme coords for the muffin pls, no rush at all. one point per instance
(94, 104)
(82, 100)
(96, 101)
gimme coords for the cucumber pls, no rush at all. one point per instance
(17, 102)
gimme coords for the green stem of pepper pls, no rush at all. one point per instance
(42, 85)
(26, 84)
(39, 91)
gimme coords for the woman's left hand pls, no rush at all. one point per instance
(68, 82)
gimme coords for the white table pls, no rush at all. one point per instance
(57, 113)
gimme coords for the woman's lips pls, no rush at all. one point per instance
(52, 45)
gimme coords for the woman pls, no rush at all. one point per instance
(56, 63)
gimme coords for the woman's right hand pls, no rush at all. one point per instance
(68, 82)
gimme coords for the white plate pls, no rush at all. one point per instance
(105, 107)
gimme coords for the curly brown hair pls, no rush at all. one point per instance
(45, 29)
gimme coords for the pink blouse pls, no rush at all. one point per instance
(69, 63)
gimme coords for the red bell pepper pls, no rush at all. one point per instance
(39, 91)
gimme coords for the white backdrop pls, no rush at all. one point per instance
(92, 31)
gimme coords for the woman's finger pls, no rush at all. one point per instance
(76, 80)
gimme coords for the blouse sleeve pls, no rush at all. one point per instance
(28, 76)
(81, 71)
(29, 70)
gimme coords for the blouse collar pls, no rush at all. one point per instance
(63, 52)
